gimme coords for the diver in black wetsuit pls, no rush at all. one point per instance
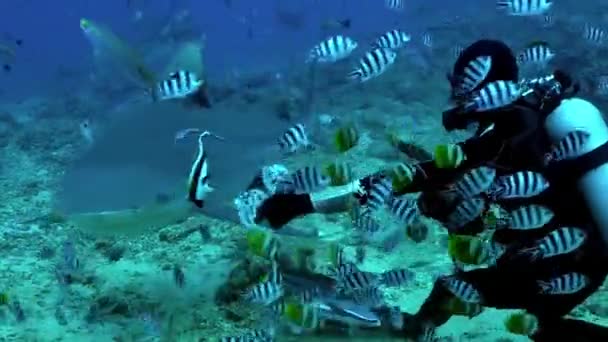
(510, 139)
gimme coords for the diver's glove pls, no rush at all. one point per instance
(278, 209)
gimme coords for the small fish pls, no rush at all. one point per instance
(560, 241)
(402, 176)
(594, 35)
(394, 39)
(179, 85)
(71, 263)
(467, 211)
(394, 5)
(332, 49)
(472, 250)
(86, 131)
(568, 147)
(380, 193)
(522, 323)
(495, 95)
(198, 180)
(523, 184)
(475, 182)
(178, 276)
(357, 280)
(303, 316)
(365, 223)
(601, 87)
(524, 7)
(396, 278)
(530, 217)
(548, 21)
(405, 210)
(371, 297)
(305, 180)
(373, 64)
(537, 53)
(427, 40)
(343, 270)
(262, 243)
(456, 306)
(474, 73)
(346, 137)
(336, 24)
(264, 293)
(417, 232)
(294, 139)
(449, 156)
(462, 290)
(339, 173)
(569, 283)
(457, 51)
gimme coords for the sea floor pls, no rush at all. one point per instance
(125, 281)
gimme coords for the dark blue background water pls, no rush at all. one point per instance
(52, 36)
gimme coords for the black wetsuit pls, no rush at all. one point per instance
(518, 143)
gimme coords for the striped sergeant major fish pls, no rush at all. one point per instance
(561, 241)
(198, 181)
(538, 53)
(524, 7)
(182, 84)
(394, 5)
(523, 184)
(394, 39)
(294, 139)
(495, 95)
(475, 182)
(568, 283)
(594, 35)
(474, 73)
(332, 49)
(568, 147)
(373, 64)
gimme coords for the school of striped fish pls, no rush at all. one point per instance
(359, 290)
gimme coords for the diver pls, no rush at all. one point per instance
(510, 139)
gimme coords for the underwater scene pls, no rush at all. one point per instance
(303, 170)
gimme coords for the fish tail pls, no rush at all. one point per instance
(201, 97)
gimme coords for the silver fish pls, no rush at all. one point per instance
(474, 73)
(394, 39)
(398, 277)
(461, 289)
(495, 95)
(264, 293)
(180, 84)
(467, 211)
(524, 7)
(523, 184)
(405, 210)
(304, 181)
(537, 53)
(373, 64)
(560, 241)
(530, 217)
(475, 182)
(332, 49)
(568, 147)
(294, 139)
(568, 283)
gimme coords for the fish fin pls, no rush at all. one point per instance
(207, 188)
(201, 97)
(543, 285)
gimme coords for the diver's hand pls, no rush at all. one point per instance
(279, 209)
